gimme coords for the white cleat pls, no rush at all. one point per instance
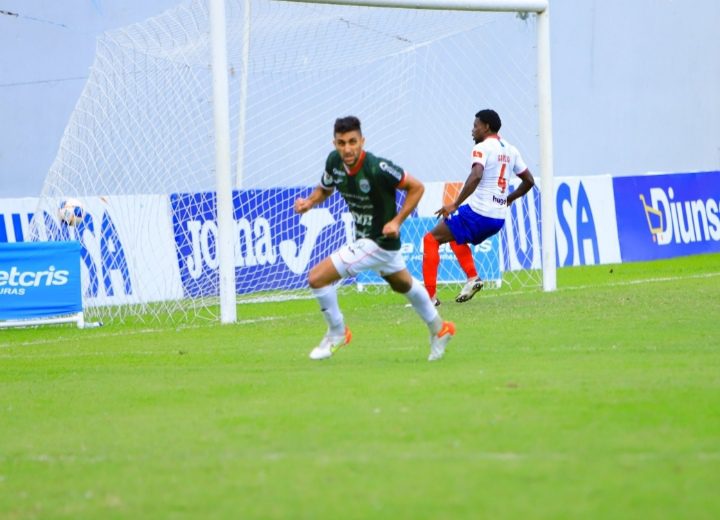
(439, 341)
(469, 290)
(330, 344)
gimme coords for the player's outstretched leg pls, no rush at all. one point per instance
(330, 344)
(469, 290)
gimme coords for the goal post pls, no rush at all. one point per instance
(221, 116)
(541, 9)
(547, 176)
(534, 6)
(188, 147)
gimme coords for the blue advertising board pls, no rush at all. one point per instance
(275, 247)
(271, 250)
(667, 215)
(39, 279)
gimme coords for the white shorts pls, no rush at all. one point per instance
(366, 255)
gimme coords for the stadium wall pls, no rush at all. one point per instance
(600, 220)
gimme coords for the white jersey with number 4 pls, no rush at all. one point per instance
(500, 161)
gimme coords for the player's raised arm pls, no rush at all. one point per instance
(318, 195)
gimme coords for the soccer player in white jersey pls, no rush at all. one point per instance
(494, 160)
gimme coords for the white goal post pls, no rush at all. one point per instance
(221, 115)
(220, 82)
(199, 127)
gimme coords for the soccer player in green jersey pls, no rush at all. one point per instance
(368, 184)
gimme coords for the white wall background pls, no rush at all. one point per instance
(636, 85)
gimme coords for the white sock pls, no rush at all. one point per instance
(327, 298)
(420, 301)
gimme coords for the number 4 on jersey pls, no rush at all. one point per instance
(502, 181)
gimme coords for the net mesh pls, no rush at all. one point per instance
(139, 151)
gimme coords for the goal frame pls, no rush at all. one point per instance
(228, 312)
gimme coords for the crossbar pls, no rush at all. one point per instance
(532, 6)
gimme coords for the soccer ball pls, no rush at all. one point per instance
(71, 212)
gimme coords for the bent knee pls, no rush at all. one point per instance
(315, 280)
(401, 288)
(400, 282)
(430, 241)
(322, 275)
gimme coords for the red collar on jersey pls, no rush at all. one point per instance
(358, 165)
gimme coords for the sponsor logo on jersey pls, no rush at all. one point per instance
(500, 201)
(339, 172)
(477, 153)
(364, 186)
(398, 174)
(328, 179)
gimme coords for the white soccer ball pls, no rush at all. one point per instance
(71, 212)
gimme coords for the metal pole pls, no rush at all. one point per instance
(547, 186)
(533, 6)
(224, 244)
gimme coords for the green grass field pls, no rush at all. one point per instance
(599, 400)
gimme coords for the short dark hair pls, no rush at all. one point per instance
(490, 118)
(347, 124)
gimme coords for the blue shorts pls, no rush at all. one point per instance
(467, 226)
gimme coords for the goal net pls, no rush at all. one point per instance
(139, 150)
